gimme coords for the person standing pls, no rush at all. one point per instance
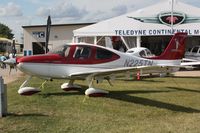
(3, 58)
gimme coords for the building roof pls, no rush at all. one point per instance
(153, 20)
(56, 25)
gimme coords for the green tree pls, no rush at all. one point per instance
(5, 31)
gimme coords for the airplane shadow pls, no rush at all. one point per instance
(123, 96)
(184, 89)
(25, 115)
(144, 80)
(63, 93)
(45, 95)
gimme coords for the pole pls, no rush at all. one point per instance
(13, 49)
(172, 16)
(3, 98)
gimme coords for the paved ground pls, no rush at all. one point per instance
(10, 77)
(195, 73)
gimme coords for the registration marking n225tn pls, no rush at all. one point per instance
(132, 62)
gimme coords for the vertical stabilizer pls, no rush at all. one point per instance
(175, 49)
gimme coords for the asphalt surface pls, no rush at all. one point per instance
(10, 76)
(195, 73)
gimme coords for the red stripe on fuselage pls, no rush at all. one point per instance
(58, 59)
(48, 58)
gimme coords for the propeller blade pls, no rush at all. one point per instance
(47, 33)
(11, 61)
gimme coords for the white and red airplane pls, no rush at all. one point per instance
(192, 57)
(93, 62)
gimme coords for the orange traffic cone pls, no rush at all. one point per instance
(138, 75)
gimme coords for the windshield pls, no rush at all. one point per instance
(61, 50)
(195, 49)
(148, 52)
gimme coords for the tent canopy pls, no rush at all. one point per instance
(5, 39)
(150, 21)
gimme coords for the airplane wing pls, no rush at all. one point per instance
(123, 70)
(188, 59)
(192, 63)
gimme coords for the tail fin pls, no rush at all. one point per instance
(175, 49)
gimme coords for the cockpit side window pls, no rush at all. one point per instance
(103, 54)
(130, 51)
(82, 52)
(195, 49)
(61, 50)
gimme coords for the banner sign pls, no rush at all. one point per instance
(168, 18)
(155, 32)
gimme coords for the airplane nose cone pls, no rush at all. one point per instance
(10, 61)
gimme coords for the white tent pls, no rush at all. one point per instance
(128, 26)
(154, 20)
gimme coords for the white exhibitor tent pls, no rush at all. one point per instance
(162, 19)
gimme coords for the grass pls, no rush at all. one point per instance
(154, 105)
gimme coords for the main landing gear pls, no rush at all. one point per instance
(70, 86)
(91, 91)
(27, 91)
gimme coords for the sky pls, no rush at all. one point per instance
(18, 13)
